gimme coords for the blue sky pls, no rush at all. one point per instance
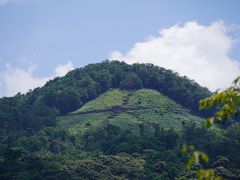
(39, 36)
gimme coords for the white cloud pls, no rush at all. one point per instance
(63, 69)
(197, 51)
(14, 80)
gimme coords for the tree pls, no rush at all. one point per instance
(132, 81)
(69, 101)
(228, 103)
(104, 79)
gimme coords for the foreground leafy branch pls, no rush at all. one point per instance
(227, 101)
(195, 160)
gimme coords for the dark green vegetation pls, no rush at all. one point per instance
(111, 121)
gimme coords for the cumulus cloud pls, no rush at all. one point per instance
(14, 80)
(63, 69)
(196, 51)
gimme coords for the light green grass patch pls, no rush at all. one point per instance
(160, 110)
(151, 99)
(113, 97)
(77, 124)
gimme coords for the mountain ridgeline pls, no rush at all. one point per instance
(112, 121)
(87, 83)
(66, 94)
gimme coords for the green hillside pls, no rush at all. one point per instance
(40, 107)
(114, 97)
(112, 120)
(128, 109)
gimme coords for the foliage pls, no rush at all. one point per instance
(83, 126)
(113, 97)
(131, 81)
(66, 94)
(159, 109)
(228, 102)
(196, 157)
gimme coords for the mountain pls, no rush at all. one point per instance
(63, 95)
(139, 112)
(126, 109)
(111, 120)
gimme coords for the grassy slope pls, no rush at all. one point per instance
(113, 97)
(160, 110)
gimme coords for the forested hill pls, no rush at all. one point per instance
(40, 107)
(112, 120)
(88, 82)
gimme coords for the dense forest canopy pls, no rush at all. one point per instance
(39, 107)
(147, 113)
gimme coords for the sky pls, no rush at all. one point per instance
(43, 39)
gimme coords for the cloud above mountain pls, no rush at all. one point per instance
(63, 69)
(197, 51)
(14, 80)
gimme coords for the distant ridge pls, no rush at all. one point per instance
(67, 94)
